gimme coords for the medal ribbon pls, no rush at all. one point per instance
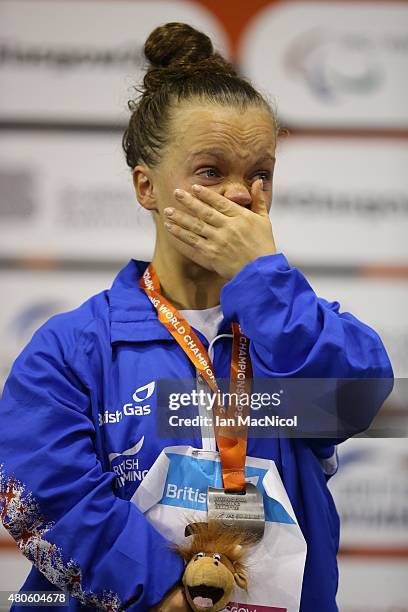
(231, 439)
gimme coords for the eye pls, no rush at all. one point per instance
(209, 173)
(199, 555)
(264, 175)
(217, 556)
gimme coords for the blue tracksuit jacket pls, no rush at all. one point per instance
(70, 402)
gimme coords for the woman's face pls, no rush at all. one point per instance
(219, 147)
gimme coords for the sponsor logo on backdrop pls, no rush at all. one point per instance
(17, 194)
(327, 189)
(396, 341)
(314, 200)
(135, 408)
(371, 493)
(339, 64)
(66, 57)
(29, 318)
(46, 49)
(332, 66)
(98, 207)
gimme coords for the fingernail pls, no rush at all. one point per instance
(197, 188)
(168, 211)
(168, 226)
(179, 193)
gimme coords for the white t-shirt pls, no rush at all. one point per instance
(207, 321)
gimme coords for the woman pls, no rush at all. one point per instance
(78, 407)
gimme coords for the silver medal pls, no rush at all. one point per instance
(242, 509)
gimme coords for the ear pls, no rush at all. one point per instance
(241, 580)
(143, 183)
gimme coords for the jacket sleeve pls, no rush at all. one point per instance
(295, 334)
(56, 500)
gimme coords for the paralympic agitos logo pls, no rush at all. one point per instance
(135, 408)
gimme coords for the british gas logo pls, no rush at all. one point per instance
(136, 408)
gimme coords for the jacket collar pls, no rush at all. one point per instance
(133, 317)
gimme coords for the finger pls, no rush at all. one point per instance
(194, 224)
(199, 209)
(186, 236)
(215, 200)
(258, 205)
(198, 256)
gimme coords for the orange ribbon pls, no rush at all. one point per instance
(231, 439)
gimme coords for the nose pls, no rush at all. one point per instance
(238, 193)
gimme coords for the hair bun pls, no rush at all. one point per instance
(174, 43)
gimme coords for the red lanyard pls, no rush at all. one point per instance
(231, 439)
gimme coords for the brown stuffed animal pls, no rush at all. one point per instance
(215, 563)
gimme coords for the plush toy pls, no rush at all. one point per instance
(215, 563)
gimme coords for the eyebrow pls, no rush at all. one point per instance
(221, 154)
